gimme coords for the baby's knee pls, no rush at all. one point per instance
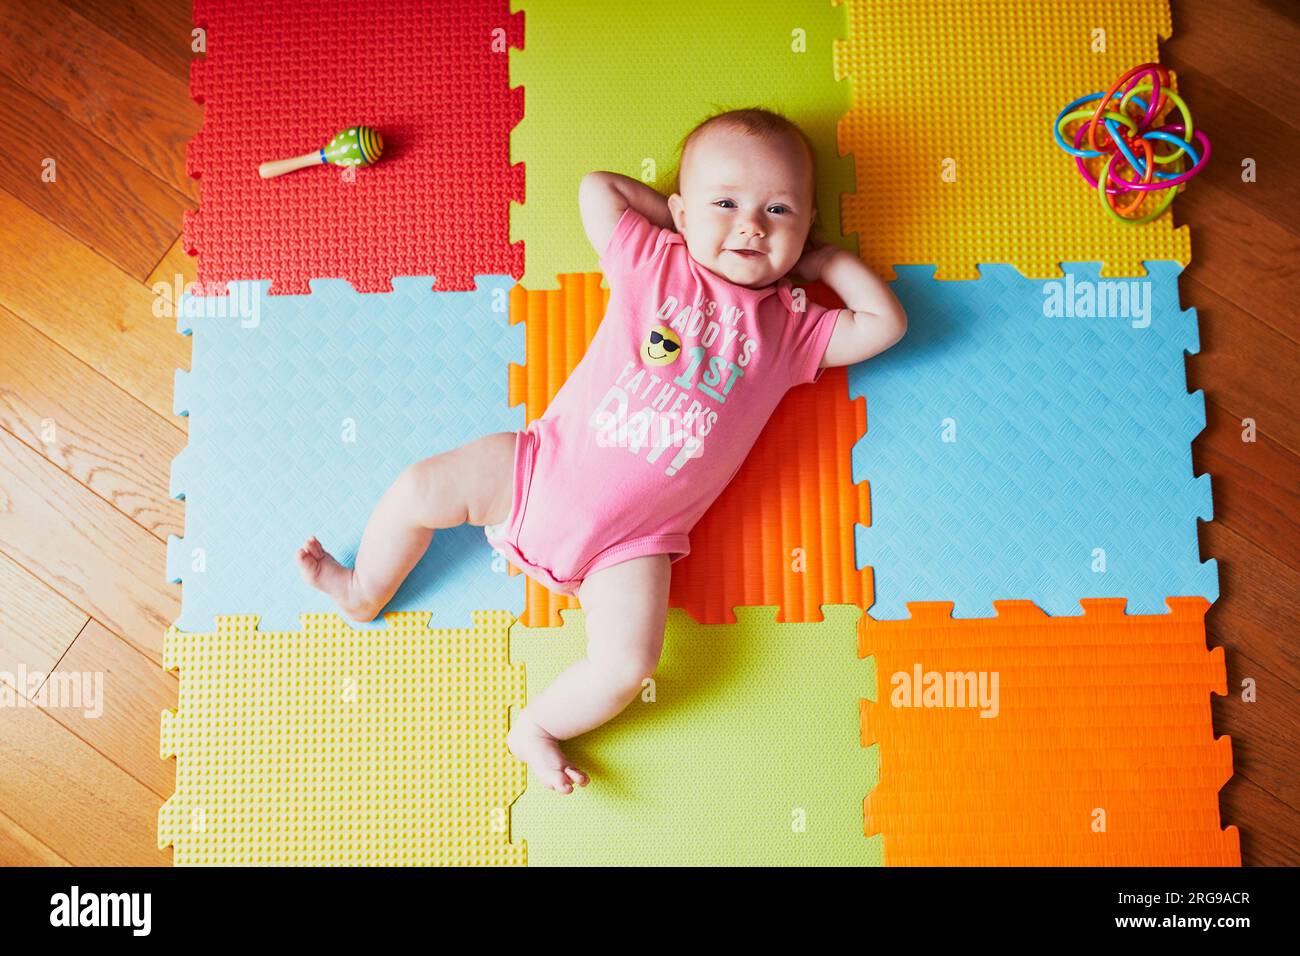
(625, 668)
(422, 482)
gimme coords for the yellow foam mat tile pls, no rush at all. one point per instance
(950, 129)
(334, 746)
(744, 749)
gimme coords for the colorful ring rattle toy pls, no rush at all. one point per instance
(1127, 138)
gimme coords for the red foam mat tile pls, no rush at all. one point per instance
(280, 79)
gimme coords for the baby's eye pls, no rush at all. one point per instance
(778, 209)
(721, 201)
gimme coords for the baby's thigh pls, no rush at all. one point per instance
(483, 472)
(625, 607)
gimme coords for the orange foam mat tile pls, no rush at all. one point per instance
(1159, 849)
(950, 127)
(1028, 740)
(781, 533)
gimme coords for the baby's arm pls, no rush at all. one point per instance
(872, 320)
(602, 199)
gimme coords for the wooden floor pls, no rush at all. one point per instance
(87, 435)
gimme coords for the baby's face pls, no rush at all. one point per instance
(742, 192)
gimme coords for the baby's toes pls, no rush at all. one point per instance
(308, 565)
(556, 780)
(576, 775)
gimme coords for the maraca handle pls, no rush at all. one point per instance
(279, 167)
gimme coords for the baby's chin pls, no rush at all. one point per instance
(753, 276)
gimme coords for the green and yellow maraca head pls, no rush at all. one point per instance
(661, 346)
(357, 146)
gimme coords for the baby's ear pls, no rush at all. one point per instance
(675, 209)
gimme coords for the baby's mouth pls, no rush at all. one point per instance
(747, 253)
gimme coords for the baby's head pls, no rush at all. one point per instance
(746, 180)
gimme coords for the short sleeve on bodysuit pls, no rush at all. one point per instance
(632, 246)
(809, 335)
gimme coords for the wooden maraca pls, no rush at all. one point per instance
(356, 146)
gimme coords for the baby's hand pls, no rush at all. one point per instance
(814, 259)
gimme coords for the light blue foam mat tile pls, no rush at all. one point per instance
(1016, 448)
(302, 410)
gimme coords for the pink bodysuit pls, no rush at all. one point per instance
(681, 376)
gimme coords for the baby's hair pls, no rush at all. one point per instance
(755, 121)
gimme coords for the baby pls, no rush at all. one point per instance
(702, 336)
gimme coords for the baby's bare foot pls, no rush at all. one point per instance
(535, 747)
(321, 571)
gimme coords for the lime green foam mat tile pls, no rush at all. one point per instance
(334, 746)
(744, 749)
(617, 87)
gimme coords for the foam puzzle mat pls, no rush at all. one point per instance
(302, 410)
(1098, 748)
(883, 525)
(1021, 447)
(745, 750)
(280, 79)
(950, 131)
(586, 62)
(342, 746)
(782, 531)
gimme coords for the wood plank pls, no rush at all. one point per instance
(1269, 31)
(105, 86)
(1240, 254)
(135, 692)
(85, 304)
(160, 29)
(99, 195)
(20, 848)
(91, 430)
(89, 552)
(1239, 129)
(1244, 365)
(1256, 485)
(72, 798)
(1255, 613)
(1266, 733)
(177, 270)
(1267, 826)
(37, 625)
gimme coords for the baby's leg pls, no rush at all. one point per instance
(625, 607)
(473, 483)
